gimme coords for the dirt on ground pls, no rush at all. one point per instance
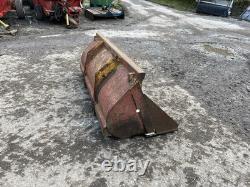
(197, 70)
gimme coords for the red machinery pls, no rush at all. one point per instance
(5, 7)
(8, 5)
(58, 10)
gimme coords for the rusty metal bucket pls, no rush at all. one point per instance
(114, 82)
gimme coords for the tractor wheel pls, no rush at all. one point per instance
(58, 13)
(39, 12)
(225, 14)
(89, 15)
(19, 9)
(31, 4)
(122, 16)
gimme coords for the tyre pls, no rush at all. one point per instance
(225, 14)
(19, 9)
(122, 16)
(58, 13)
(89, 15)
(39, 12)
(31, 4)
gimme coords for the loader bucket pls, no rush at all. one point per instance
(114, 82)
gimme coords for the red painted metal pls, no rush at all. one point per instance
(114, 82)
(70, 7)
(46, 5)
(5, 7)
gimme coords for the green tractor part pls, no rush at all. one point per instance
(100, 3)
(104, 9)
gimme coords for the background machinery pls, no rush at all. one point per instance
(8, 6)
(215, 7)
(58, 10)
(12, 5)
(104, 9)
(246, 15)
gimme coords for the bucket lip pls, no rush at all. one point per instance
(121, 55)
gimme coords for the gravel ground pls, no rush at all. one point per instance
(197, 70)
